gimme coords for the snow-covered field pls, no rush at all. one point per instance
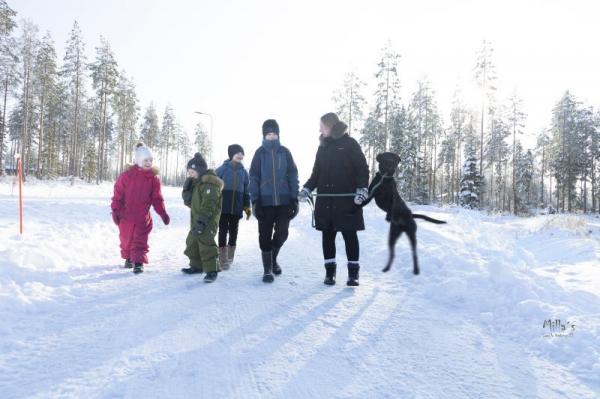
(74, 324)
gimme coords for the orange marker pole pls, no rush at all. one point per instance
(20, 173)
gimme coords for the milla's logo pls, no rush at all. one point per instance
(556, 328)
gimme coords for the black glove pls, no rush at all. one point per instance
(187, 184)
(257, 210)
(293, 209)
(186, 193)
(198, 229)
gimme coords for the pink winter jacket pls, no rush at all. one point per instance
(135, 190)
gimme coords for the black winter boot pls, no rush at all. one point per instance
(267, 259)
(353, 269)
(330, 273)
(276, 267)
(128, 264)
(191, 270)
(210, 277)
(138, 268)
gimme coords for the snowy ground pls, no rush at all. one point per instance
(73, 324)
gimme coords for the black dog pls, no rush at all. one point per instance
(383, 189)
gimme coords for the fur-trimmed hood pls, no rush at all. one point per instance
(211, 178)
(155, 169)
(337, 131)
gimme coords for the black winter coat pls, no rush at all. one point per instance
(340, 168)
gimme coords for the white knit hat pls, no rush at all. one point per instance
(142, 153)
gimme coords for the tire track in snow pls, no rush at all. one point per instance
(274, 372)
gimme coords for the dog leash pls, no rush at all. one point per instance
(370, 194)
(334, 195)
(311, 201)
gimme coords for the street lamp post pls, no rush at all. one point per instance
(211, 134)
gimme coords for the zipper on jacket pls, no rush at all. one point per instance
(274, 179)
(233, 196)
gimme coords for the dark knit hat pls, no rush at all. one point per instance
(270, 126)
(198, 164)
(234, 149)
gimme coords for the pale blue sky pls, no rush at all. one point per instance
(248, 61)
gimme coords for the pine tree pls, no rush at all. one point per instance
(45, 83)
(8, 69)
(349, 101)
(404, 143)
(90, 162)
(471, 183)
(595, 161)
(447, 160)
(15, 128)
(91, 127)
(387, 95)
(104, 77)
(7, 22)
(527, 175)
(55, 123)
(371, 138)
(172, 173)
(422, 182)
(542, 145)
(184, 150)
(28, 44)
(168, 130)
(201, 139)
(496, 156)
(516, 119)
(586, 132)
(73, 75)
(458, 120)
(149, 131)
(567, 147)
(426, 119)
(485, 76)
(524, 175)
(125, 105)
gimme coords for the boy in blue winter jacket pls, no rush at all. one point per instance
(274, 196)
(236, 200)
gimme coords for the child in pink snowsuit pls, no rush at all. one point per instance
(136, 189)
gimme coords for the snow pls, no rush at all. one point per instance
(74, 324)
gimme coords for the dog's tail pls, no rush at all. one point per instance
(432, 220)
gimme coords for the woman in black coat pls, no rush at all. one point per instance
(340, 168)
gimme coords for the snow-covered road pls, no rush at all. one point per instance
(74, 324)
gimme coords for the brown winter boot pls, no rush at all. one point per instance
(230, 255)
(223, 258)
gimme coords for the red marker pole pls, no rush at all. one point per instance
(20, 176)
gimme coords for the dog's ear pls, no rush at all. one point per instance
(379, 157)
(396, 158)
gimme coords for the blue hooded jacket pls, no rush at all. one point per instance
(273, 175)
(235, 192)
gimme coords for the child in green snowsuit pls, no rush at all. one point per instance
(202, 193)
